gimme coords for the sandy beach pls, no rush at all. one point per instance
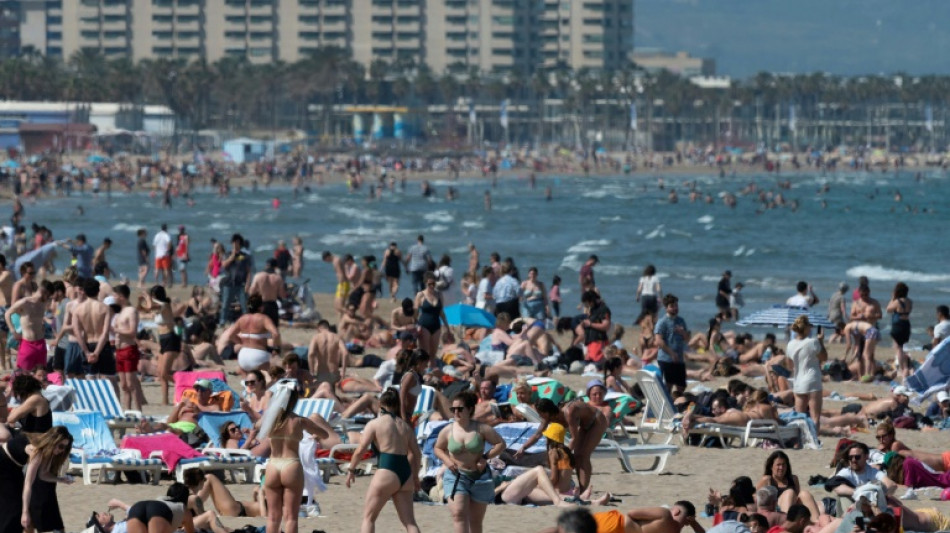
(689, 475)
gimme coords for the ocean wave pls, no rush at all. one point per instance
(588, 246)
(219, 226)
(439, 216)
(572, 262)
(438, 228)
(618, 270)
(360, 213)
(880, 273)
(122, 226)
(705, 219)
(477, 224)
(657, 232)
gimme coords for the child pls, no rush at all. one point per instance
(736, 301)
(554, 296)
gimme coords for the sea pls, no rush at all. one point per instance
(855, 228)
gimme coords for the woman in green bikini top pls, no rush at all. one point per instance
(399, 462)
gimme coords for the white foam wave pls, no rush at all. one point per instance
(477, 224)
(705, 219)
(360, 213)
(739, 251)
(599, 193)
(219, 226)
(122, 226)
(880, 273)
(659, 231)
(439, 216)
(709, 226)
(311, 255)
(588, 246)
(438, 228)
(681, 233)
(572, 262)
(618, 270)
(749, 252)
(610, 219)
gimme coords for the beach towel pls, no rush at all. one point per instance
(173, 448)
(934, 374)
(312, 480)
(186, 380)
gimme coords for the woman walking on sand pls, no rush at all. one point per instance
(900, 307)
(399, 461)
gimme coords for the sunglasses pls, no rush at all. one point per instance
(250, 382)
(234, 428)
(881, 437)
(855, 457)
(456, 409)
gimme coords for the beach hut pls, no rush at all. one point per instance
(246, 150)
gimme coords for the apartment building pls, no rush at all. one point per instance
(447, 35)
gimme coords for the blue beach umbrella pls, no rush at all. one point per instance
(96, 158)
(779, 316)
(9, 163)
(469, 316)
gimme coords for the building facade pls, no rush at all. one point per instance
(446, 35)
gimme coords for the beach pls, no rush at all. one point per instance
(688, 475)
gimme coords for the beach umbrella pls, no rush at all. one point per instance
(9, 163)
(469, 316)
(779, 316)
(38, 257)
(96, 158)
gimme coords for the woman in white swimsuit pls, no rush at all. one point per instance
(251, 332)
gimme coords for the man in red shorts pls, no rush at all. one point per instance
(125, 325)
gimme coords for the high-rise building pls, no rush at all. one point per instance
(454, 35)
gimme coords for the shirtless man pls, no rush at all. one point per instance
(270, 286)
(722, 414)
(100, 254)
(101, 270)
(6, 299)
(342, 285)
(327, 355)
(92, 322)
(125, 324)
(650, 519)
(894, 407)
(73, 357)
(32, 310)
(26, 284)
(868, 310)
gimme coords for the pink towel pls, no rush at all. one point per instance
(186, 380)
(173, 449)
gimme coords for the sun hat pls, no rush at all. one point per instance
(594, 383)
(203, 384)
(555, 432)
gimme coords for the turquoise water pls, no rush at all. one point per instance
(627, 222)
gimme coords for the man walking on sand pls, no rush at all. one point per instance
(342, 284)
(417, 263)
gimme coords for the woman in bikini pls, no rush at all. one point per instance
(587, 425)
(647, 345)
(431, 316)
(283, 477)
(399, 461)
(233, 437)
(467, 478)
(534, 296)
(778, 473)
(252, 331)
(157, 301)
(296, 258)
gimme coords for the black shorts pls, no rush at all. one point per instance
(271, 310)
(169, 342)
(105, 365)
(59, 359)
(674, 374)
(146, 510)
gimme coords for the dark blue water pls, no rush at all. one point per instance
(627, 222)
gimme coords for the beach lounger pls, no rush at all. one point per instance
(659, 415)
(178, 456)
(94, 449)
(99, 395)
(749, 435)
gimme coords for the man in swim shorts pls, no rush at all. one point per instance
(162, 246)
(92, 322)
(32, 350)
(125, 324)
(327, 355)
(270, 286)
(342, 285)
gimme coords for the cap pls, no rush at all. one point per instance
(943, 396)
(109, 300)
(843, 286)
(203, 384)
(594, 383)
(901, 390)
(555, 432)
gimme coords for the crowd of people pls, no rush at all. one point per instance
(84, 324)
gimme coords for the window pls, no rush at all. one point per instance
(456, 36)
(236, 52)
(261, 19)
(407, 19)
(334, 19)
(502, 35)
(593, 54)
(594, 6)
(113, 3)
(188, 51)
(259, 52)
(502, 52)
(309, 3)
(457, 52)
(188, 35)
(309, 19)
(309, 35)
(261, 3)
(503, 20)
(235, 19)
(235, 3)
(234, 35)
(596, 38)
(162, 3)
(54, 36)
(113, 18)
(54, 51)
(162, 19)
(382, 35)
(455, 20)
(90, 20)
(187, 19)
(162, 50)
(387, 52)
(162, 35)
(116, 50)
(54, 4)
(54, 19)
(406, 36)
(333, 35)
(89, 34)
(187, 3)
(382, 19)
(336, 3)
(260, 35)
(114, 34)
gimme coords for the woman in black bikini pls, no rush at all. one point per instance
(399, 461)
(431, 316)
(900, 307)
(778, 473)
(587, 425)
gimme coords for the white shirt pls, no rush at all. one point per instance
(384, 375)
(870, 474)
(799, 300)
(484, 287)
(942, 329)
(648, 285)
(804, 355)
(162, 244)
